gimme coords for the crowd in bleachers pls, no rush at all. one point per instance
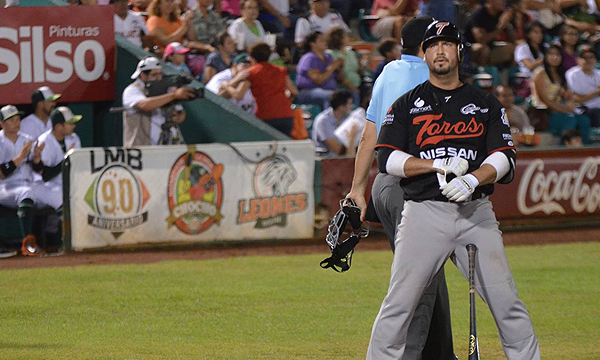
(539, 55)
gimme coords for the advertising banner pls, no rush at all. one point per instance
(198, 193)
(71, 49)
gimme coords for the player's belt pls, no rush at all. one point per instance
(476, 195)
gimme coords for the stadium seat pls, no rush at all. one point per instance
(364, 27)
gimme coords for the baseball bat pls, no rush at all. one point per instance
(473, 341)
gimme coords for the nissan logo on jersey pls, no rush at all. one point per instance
(69, 48)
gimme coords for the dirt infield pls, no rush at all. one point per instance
(376, 241)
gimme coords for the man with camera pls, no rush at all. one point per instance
(144, 116)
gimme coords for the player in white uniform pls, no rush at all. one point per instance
(43, 101)
(20, 156)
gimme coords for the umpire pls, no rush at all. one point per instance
(430, 332)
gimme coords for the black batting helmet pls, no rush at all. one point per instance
(442, 30)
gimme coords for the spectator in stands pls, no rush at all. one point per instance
(338, 43)
(319, 19)
(165, 25)
(143, 117)
(390, 50)
(316, 72)
(283, 54)
(488, 24)
(550, 89)
(272, 89)
(441, 10)
(20, 157)
(230, 9)
(141, 7)
(276, 18)
(584, 81)
(569, 38)
(530, 54)
(220, 85)
(220, 59)
(516, 116)
(571, 139)
(393, 14)
(206, 24)
(550, 14)
(43, 101)
(130, 25)
(175, 57)
(323, 134)
(247, 30)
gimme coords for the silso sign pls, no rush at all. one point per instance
(69, 48)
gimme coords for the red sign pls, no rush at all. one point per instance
(71, 49)
(551, 184)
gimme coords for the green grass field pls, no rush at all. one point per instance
(273, 308)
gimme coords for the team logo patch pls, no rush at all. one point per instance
(471, 109)
(419, 107)
(195, 192)
(441, 26)
(117, 196)
(503, 117)
(273, 201)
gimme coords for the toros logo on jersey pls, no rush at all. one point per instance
(70, 49)
(195, 192)
(433, 130)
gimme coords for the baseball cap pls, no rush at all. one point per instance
(149, 63)
(44, 94)
(241, 58)
(175, 48)
(413, 31)
(63, 114)
(9, 111)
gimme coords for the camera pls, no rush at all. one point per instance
(168, 82)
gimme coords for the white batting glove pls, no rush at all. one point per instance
(461, 188)
(455, 165)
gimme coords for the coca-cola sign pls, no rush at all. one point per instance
(550, 185)
(69, 48)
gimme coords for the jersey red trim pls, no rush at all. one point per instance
(502, 148)
(387, 146)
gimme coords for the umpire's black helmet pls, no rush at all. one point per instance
(442, 30)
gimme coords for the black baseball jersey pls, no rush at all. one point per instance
(429, 123)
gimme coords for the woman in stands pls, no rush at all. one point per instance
(550, 89)
(165, 25)
(569, 38)
(220, 59)
(338, 42)
(316, 72)
(530, 55)
(271, 87)
(247, 31)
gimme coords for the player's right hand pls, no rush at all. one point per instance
(360, 202)
(456, 165)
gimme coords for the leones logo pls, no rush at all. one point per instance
(195, 192)
(117, 196)
(273, 202)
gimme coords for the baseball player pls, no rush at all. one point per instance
(439, 118)
(397, 78)
(43, 101)
(57, 142)
(19, 158)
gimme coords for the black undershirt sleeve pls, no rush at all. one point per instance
(383, 153)
(50, 172)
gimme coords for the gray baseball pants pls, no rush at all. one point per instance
(388, 201)
(429, 233)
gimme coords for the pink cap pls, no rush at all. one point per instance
(175, 48)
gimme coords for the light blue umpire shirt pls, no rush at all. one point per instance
(397, 78)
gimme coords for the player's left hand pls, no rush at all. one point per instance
(461, 188)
